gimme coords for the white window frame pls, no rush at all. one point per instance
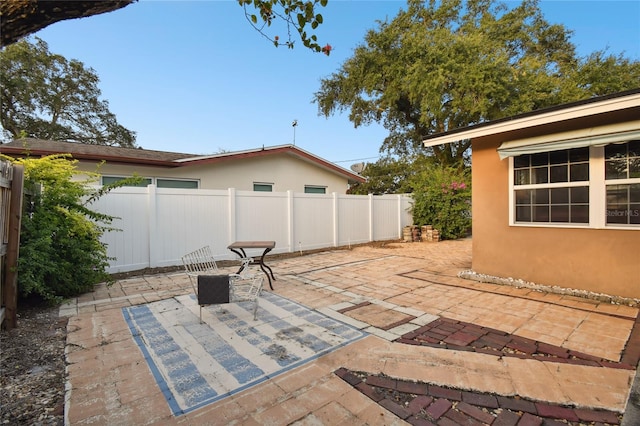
(153, 180)
(324, 188)
(120, 177)
(197, 182)
(597, 196)
(269, 184)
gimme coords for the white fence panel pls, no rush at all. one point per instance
(262, 216)
(386, 218)
(159, 225)
(130, 245)
(312, 221)
(186, 221)
(353, 219)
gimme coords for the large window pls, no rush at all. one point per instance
(160, 182)
(597, 186)
(622, 175)
(552, 187)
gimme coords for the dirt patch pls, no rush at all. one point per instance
(32, 367)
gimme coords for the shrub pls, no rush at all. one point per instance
(61, 254)
(443, 199)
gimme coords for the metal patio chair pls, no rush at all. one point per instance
(212, 288)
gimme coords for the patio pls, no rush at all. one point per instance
(396, 309)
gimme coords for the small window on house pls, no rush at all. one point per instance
(552, 187)
(108, 180)
(262, 187)
(177, 183)
(311, 189)
(622, 179)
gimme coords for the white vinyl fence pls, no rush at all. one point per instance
(158, 225)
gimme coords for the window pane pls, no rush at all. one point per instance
(634, 168)
(634, 193)
(540, 175)
(262, 187)
(523, 196)
(108, 180)
(616, 213)
(615, 169)
(634, 148)
(521, 177)
(173, 183)
(579, 154)
(523, 214)
(521, 161)
(580, 214)
(579, 172)
(560, 213)
(540, 196)
(580, 194)
(617, 194)
(541, 213)
(559, 174)
(560, 196)
(541, 159)
(634, 214)
(559, 157)
(615, 150)
(315, 190)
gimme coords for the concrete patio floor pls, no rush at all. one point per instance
(394, 293)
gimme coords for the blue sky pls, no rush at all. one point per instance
(195, 77)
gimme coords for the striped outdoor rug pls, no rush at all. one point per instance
(196, 364)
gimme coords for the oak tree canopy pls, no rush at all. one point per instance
(440, 65)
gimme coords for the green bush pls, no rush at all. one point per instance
(443, 199)
(60, 250)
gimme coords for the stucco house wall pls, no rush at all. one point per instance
(283, 171)
(597, 260)
(279, 168)
(588, 238)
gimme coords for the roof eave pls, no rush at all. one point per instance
(542, 117)
(87, 157)
(281, 149)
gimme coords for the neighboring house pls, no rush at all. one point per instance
(278, 168)
(556, 195)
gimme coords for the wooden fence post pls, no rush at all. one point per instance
(10, 296)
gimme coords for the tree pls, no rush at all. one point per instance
(61, 254)
(442, 65)
(442, 198)
(46, 96)
(296, 14)
(21, 18)
(388, 175)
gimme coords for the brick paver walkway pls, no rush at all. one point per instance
(391, 291)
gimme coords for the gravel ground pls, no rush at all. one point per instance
(32, 368)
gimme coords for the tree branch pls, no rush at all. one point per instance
(19, 18)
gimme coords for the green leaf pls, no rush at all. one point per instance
(301, 20)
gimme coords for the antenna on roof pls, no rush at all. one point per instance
(294, 125)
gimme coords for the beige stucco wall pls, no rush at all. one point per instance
(285, 172)
(598, 260)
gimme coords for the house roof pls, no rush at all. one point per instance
(628, 100)
(112, 154)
